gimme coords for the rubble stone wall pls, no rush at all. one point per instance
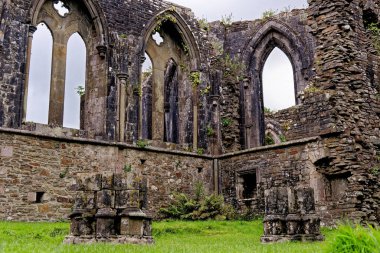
(32, 164)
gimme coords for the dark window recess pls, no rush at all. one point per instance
(200, 170)
(369, 17)
(39, 197)
(142, 161)
(249, 186)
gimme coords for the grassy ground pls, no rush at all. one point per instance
(173, 236)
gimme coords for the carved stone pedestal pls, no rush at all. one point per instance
(290, 216)
(107, 210)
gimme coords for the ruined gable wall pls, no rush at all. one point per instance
(231, 50)
(342, 108)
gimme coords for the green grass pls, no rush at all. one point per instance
(171, 236)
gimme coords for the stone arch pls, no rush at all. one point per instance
(270, 35)
(181, 26)
(93, 8)
(175, 32)
(86, 19)
(273, 129)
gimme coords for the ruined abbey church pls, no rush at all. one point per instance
(198, 115)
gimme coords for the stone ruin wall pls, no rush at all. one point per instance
(33, 164)
(338, 60)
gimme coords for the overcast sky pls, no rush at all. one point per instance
(277, 76)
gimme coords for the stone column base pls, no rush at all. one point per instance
(291, 238)
(111, 239)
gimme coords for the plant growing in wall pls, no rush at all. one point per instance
(312, 89)
(268, 14)
(162, 19)
(80, 90)
(127, 168)
(203, 24)
(374, 29)
(205, 90)
(233, 68)
(64, 173)
(142, 143)
(269, 140)
(375, 171)
(226, 20)
(267, 111)
(282, 138)
(210, 131)
(200, 151)
(226, 122)
(195, 78)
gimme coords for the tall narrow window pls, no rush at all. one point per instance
(278, 82)
(75, 81)
(40, 75)
(146, 86)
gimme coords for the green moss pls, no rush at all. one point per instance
(195, 78)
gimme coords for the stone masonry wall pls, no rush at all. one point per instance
(31, 164)
(314, 162)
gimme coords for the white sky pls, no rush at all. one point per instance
(277, 75)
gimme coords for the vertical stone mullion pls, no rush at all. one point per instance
(31, 31)
(58, 76)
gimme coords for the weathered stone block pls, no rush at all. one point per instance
(105, 199)
(305, 200)
(276, 201)
(87, 182)
(274, 225)
(136, 227)
(293, 224)
(127, 199)
(105, 227)
(107, 181)
(84, 200)
(82, 226)
(124, 182)
(311, 225)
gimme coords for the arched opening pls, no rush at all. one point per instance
(79, 17)
(146, 98)
(266, 85)
(167, 104)
(40, 75)
(75, 82)
(278, 82)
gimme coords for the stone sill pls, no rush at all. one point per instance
(102, 143)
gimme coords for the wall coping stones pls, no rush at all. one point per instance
(159, 150)
(275, 146)
(102, 143)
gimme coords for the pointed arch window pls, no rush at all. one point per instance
(168, 108)
(75, 81)
(81, 41)
(278, 81)
(40, 76)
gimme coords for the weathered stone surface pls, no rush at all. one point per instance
(102, 221)
(334, 128)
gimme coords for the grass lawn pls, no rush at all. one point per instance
(171, 236)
